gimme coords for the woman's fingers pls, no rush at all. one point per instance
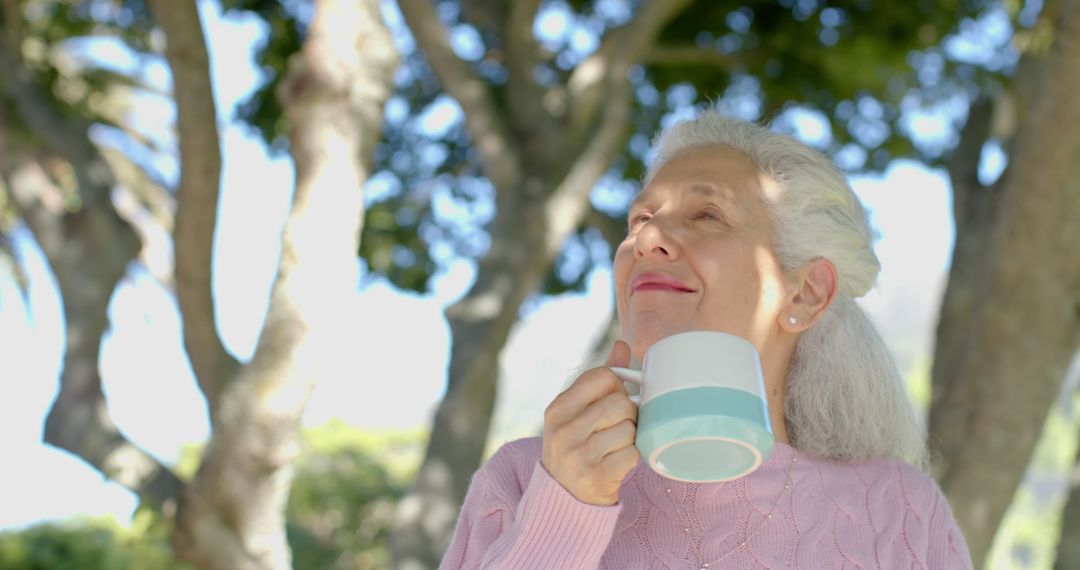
(588, 388)
(589, 433)
(619, 462)
(619, 355)
(605, 442)
(606, 412)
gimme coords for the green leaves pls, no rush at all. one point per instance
(262, 110)
(858, 64)
(392, 243)
(86, 544)
(339, 510)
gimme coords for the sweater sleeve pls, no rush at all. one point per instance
(504, 524)
(947, 548)
(940, 543)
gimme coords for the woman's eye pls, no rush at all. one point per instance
(640, 218)
(708, 215)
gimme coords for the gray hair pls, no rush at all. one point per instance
(845, 399)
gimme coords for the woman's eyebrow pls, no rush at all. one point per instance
(709, 190)
(641, 197)
(706, 190)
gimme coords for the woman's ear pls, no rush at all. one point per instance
(816, 289)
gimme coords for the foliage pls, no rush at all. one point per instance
(88, 544)
(348, 479)
(347, 482)
(856, 61)
(856, 65)
(81, 85)
(1029, 533)
(342, 499)
(53, 37)
(262, 111)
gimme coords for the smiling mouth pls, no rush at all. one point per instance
(660, 287)
(658, 282)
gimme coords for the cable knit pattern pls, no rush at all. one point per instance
(880, 513)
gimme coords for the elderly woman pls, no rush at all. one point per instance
(748, 232)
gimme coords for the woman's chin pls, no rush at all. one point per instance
(644, 335)
(641, 340)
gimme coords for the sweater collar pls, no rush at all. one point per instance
(777, 463)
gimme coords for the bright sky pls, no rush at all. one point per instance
(397, 371)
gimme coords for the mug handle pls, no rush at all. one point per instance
(631, 380)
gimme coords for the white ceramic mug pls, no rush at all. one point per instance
(703, 412)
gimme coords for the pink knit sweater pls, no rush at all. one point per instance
(880, 513)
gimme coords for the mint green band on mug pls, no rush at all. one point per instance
(698, 415)
(705, 401)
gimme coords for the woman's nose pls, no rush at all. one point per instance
(654, 239)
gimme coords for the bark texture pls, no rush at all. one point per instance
(197, 194)
(1068, 550)
(88, 246)
(232, 514)
(543, 158)
(1009, 360)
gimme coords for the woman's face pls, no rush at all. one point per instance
(698, 254)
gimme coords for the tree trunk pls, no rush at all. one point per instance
(975, 213)
(1025, 325)
(539, 202)
(88, 247)
(233, 511)
(614, 232)
(480, 324)
(197, 194)
(1068, 551)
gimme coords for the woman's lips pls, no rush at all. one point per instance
(658, 282)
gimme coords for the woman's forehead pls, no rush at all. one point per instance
(701, 185)
(717, 174)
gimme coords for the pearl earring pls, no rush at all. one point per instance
(792, 320)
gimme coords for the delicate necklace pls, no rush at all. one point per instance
(788, 483)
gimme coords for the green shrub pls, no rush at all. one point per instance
(347, 483)
(84, 544)
(342, 499)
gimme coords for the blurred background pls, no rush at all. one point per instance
(284, 272)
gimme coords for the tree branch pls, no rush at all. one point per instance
(1068, 548)
(333, 96)
(79, 422)
(486, 15)
(197, 197)
(612, 229)
(11, 17)
(522, 15)
(688, 55)
(570, 200)
(522, 57)
(975, 212)
(964, 163)
(145, 186)
(88, 251)
(9, 263)
(619, 49)
(148, 208)
(614, 232)
(486, 125)
(507, 31)
(1031, 304)
(67, 136)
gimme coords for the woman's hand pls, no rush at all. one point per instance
(589, 433)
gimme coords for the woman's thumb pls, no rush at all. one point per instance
(620, 355)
